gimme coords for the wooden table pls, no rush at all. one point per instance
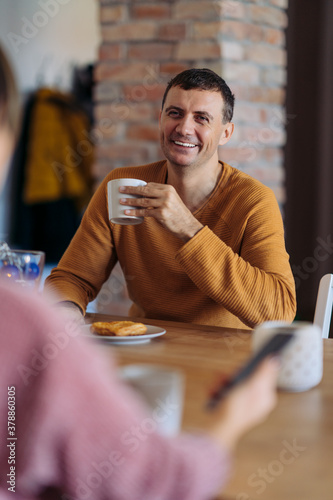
(290, 456)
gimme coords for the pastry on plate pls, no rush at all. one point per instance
(118, 328)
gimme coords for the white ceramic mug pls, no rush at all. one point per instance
(301, 360)
(162, 389)
(116, 210)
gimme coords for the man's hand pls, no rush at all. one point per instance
(70, 312)
(247, 405)
(162, 202)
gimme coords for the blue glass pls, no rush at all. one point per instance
(31, 271)
(9, 271)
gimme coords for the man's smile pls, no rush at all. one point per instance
(185, 144)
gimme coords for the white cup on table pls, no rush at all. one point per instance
(162, 390)
(116, 210)
(301, 359)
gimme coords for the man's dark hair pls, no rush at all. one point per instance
(204, 79)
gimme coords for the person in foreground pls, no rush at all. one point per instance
(211, 248)
(64, 415)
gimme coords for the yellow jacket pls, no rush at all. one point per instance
(60, 153)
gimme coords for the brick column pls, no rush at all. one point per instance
(145, 43)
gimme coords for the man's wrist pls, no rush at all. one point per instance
(69, 305)
(192, 231)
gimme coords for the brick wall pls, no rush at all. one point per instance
(146, 42)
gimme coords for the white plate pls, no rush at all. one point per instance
(152, 332)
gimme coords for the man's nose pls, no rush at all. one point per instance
(185, 126)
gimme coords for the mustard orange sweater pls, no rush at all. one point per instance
(233, 272)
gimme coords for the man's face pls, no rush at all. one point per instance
(191, 127)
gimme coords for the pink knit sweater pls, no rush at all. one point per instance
(71, 416)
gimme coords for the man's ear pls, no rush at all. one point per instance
(227, 133)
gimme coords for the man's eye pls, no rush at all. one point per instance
(173, 113)
(202, 118)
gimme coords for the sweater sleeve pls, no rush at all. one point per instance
(256, 283)
(80, 430)
(89, 258)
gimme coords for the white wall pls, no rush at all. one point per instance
(44, 39)
(46, 36)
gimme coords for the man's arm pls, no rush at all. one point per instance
(254, 283)
(88, 260)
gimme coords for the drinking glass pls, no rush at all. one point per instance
(24, 267)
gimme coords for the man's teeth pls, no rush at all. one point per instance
(186, 144)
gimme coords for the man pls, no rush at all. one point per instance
(57, 446)
(211, 247)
